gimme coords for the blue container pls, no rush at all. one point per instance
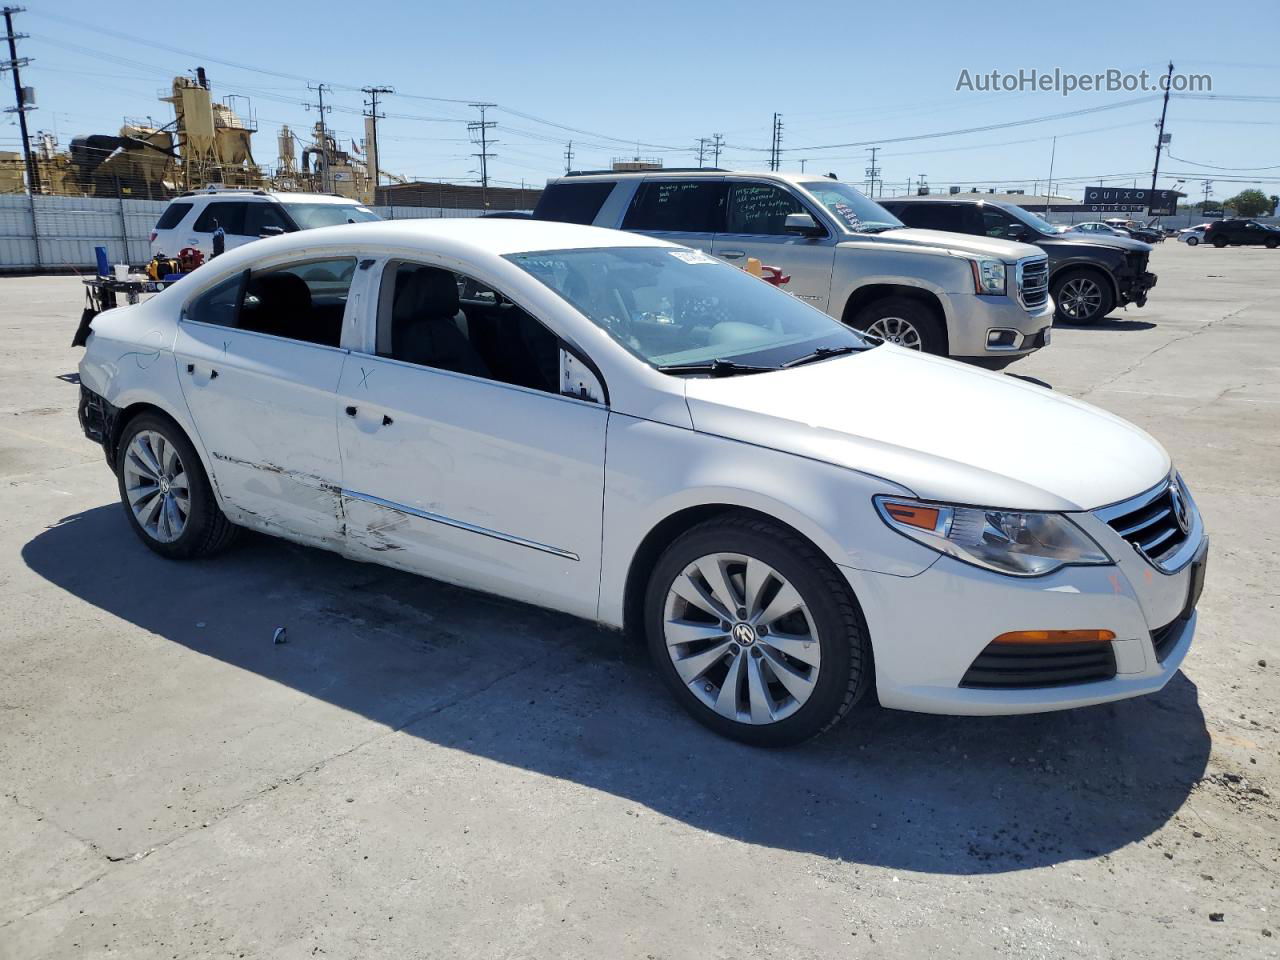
(104, 268)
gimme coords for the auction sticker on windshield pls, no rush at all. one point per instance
(692, 256)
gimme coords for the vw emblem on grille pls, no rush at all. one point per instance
(1178, 500)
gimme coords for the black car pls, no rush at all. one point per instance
(1089, 275)
(1236, 233)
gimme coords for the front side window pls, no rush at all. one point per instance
(436, 318)
(304, 301)
(997, 223)
(227, 214)
(679, 206)
(309, 216)
(761, 208)
(672, 306)
(261, 216)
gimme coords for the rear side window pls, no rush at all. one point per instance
(173, 216)
(573, 202)
(684, 206)
(226, 214)
(304, 301)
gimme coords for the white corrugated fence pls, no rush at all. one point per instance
(68, 228)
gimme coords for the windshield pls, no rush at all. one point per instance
(670, 305)
(1036, 223)
(850, 208)
(309, 216)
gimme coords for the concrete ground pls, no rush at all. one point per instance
(425, 772)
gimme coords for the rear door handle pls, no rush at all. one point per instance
(387, 421)
(191, 368)
(351, 411)
(732, 254)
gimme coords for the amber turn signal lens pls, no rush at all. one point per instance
(926, 518)
(1055, 636)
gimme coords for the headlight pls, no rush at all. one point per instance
(988, 277)
(1013, 542)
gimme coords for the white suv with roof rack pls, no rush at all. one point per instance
(244, 215)
(979, 299)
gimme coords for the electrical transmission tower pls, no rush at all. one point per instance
(24, 97)
(775, 147)
(371, 134)
(479, 130)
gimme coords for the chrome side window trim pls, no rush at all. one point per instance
(460, 524)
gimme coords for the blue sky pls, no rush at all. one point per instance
(664, 74)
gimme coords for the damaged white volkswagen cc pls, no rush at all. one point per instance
(636, 433)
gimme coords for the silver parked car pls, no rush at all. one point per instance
(973, 298)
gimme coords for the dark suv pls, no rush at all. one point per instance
(1089, 275)
(1234, 233)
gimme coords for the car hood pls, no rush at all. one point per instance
(963, 243)
(1096, 240)
(944, 430)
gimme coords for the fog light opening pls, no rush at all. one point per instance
(1002, 338)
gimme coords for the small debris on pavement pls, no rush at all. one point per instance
(279, 636)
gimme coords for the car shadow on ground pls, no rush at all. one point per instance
(1107, 323)
(561, 698)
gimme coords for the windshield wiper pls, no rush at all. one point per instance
(715, 368)
(825, 353)
(876, 228)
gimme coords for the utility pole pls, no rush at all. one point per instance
(479, 130)
(1208, 189)
(921, 187)
(1048, 186)
(873, 173)
(20, 95)
(775, 147)
(717, 141)
(803, 161)
(568, 157)
(1155, 171)
(702, 149)
(371, 148)
(320, 90)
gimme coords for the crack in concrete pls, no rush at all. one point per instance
(1168, 343)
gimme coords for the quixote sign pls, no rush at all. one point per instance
(1159, 203)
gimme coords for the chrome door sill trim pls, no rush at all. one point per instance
(459, 524)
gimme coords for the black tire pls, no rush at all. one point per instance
(1192, 241)
(846, 668)
(932, 334)
(207, 529)
(1220, 242)
(1271, 243)
(1073, 279)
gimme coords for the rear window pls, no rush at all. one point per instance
(173, 216)
(683, 206)
(573, 202)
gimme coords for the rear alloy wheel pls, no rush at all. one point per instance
(904, 322)
(755, 633)
(1192, 241)
(1271, 243)
(165, 491)
(1082, 298)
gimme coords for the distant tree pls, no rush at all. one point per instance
(1250, 203)
(1203, 205)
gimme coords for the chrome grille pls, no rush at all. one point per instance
(1033, 282)
(1158, 524)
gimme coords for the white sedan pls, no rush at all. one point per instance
(1192, 236)
(641, 435)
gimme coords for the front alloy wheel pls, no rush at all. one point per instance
(755, 631)
(896, 330)
(1082, 297)
(742, 638)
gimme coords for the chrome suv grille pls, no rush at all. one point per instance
(1156, 525)
(1033, 282)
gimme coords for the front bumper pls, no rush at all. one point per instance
(992, 327)
(928, 630)
(1134, 288)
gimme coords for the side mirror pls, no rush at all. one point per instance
(270, 232)
(803, 224)
(577, 380)
(1017, 231)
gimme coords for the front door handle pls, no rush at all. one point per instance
(387, 421)
(191, 368)
(351, 411)
(732, 254)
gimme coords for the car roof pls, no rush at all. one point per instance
(262, 195)
(463, 237)
(691, 174)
